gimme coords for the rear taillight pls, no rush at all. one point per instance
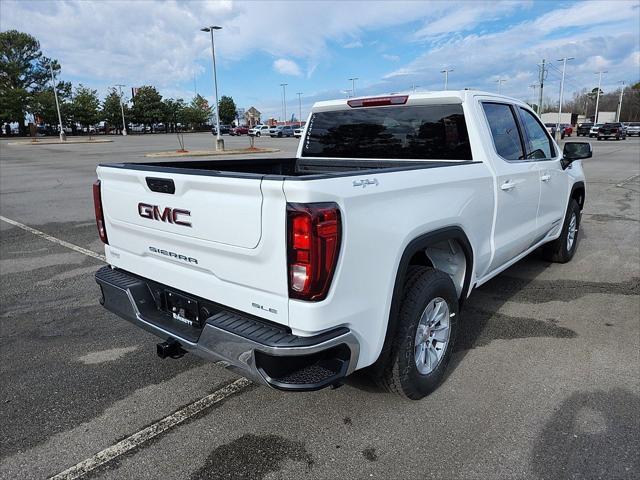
(314, 233)
(97, 205)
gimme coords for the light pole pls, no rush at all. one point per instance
(564, 67)
(124, 125)
(299, 108)
(446, 76)
(500, 81)
(353, 85)
(413, 87)
(284, 101)
(595, 117)
(620, 101)
(63, 136)
(219, 140)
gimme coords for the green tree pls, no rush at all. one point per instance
(198, 112)
(112, 111)
(228, 112)
(43, 104)
(173, 113)
(86, 107)
(24, 71)
(147, 106)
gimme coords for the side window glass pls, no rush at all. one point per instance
(504, 130)
(538, 144)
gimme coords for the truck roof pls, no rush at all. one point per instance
(417, 98)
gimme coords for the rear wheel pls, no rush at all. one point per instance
(427, 324)
(564, 247)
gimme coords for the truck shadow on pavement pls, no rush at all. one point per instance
(591, 435)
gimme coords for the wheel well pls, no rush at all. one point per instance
(578, 195)
(447, 256)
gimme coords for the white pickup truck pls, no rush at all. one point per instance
(358, 253)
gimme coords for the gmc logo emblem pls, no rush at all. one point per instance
(169, 215)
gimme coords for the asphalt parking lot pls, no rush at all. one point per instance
(545, 382)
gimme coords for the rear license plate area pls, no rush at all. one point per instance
(182, 308)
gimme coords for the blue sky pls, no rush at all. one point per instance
(315, 46)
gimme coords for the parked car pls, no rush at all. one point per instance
(633, 129)
(298, 131)
(583, 129)
(594, 130)
(299, 271)
(551, 128)
(611, 130)
(259, 130)
(281, 131)
(239, 130)
(568, 129)
(224, 129)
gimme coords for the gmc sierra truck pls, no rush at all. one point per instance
(357, 253)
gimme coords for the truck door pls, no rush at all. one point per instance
(518, 185)
(553, 182)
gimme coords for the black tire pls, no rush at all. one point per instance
(558, 251)
(257, 134)
(400, 374)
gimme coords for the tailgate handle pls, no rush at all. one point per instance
(161, 185)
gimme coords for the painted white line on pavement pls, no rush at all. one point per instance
(151, 431)
(46, 236)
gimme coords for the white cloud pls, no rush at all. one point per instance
(287, 67)
(353, 44)
(391, 58)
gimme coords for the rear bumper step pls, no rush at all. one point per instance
(267, 353)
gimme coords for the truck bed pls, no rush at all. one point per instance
(281, 168)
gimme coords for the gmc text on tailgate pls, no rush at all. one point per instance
(356, 254)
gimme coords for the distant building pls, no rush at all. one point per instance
(252, 117)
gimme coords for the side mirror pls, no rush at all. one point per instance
(575, 151)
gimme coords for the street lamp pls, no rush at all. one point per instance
(353, 85)
(124, 125)
(446, 76)
(299, 108)
(595, 118)
(219, 140)
(500, 81)
(564, 67)
(63, 136)
(284, 101)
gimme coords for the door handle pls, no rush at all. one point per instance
(507, 186)
(545, 178)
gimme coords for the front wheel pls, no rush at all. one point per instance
(427, 324)
(564, 247)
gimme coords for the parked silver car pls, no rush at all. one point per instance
(633, 128)
(281, 131)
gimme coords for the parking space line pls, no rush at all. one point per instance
(151, 431)
(628, 180)
(46, 236)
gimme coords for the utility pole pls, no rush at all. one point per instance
(413, 87)
(564, 67)
(533, 98)
(595, 118)
(63, 136)
(543, 77)
(284, 100)
(446, 76)
(124, 125)
(620, 101)
(219, 140)
(353, 85)
(500, 81)
(299, 108)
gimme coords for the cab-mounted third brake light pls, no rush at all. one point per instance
(314, 233)
(378, 101)
(97, 204)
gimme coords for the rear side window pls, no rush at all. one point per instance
(538, 142)
(424, 132)
(504, 130)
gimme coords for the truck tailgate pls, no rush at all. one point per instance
(206, 238)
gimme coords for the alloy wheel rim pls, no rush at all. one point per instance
(571, 234)
(432, 336)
